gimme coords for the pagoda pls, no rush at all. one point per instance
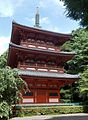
(40, 62)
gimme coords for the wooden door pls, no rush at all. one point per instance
(41, 96)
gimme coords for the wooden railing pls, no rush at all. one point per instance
(40, 46)
(41, 68)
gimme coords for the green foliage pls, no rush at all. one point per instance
(65, 94)
(84, 97)
(10, 85)
(4, 111)
(79, 44)
(85, 108)
(77, 10)
(84, 81)
(3, 59)
(28, 111)
(79, 64)
(70, 93)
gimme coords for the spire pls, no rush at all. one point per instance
(37, 18)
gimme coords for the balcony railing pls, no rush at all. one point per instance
(40, 46)
(40, 68)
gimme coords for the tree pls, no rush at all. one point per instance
(4, 111)
(3, 59)
(79, 64)
(84, 81)
(77, 10)
(10, 87)
(65, 94)
(79, 44)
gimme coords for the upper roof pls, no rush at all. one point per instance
(24, 32)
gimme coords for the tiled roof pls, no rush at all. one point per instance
(42, 30)
(43, 50)
(47, 74)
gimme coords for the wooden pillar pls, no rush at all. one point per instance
(35, 92)
(47, 96)
(59, 95)
(35, 96)
(48, 91)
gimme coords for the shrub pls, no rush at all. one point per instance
(27, 111)
(85, 108)
(4, 111)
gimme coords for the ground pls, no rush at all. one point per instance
(80, 116)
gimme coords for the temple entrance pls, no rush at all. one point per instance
(41, 96)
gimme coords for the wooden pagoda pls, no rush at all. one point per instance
(36, 54)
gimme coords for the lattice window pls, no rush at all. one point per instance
(28, 94)
(53, 94)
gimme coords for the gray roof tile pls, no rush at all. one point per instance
(47, 74)
(43, 50)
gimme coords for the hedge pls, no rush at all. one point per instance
(28, 111)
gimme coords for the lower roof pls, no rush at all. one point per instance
(47, 74)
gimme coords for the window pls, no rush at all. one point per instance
(28, 94)
(53, 94)
(38, 85)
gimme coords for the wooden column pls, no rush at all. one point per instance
(35, 92)
(59, 95)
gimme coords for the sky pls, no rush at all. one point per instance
(52, 17)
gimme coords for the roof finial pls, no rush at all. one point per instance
(37, 18)
(37, 10)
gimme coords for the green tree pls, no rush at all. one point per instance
(79, 44)
(65, 94)
(77, 10)
(3, 59)
(84, 87)
(84, 81)
(4, 111)
(79, 64)
(10, 86)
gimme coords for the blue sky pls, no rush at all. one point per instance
(52, 17)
